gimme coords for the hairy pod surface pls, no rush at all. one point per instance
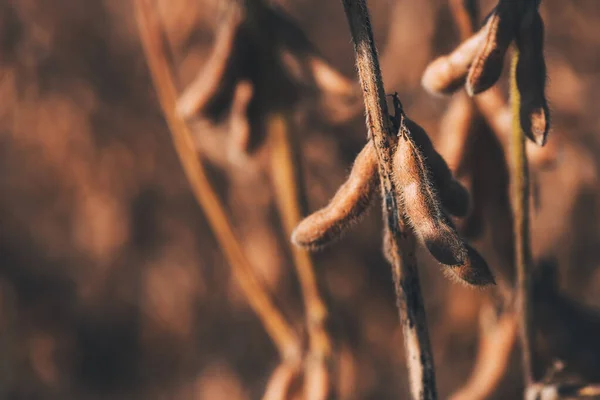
(348, 204)
(531, 79)
(448, 73)
(474, 271)
(422, 205)
(489, 61)
(453, 196)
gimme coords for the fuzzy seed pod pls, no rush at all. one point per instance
(448, 73)
(387, 245)
(531, 79)
(488, 63)
(454, 197)
(422, 205)
(473, 272)
(347, 206)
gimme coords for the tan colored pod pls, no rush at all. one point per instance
(448, 73)
(349, 203)
(500, 30)
(421, 204)
(473, 272)
(531, 80)
(453, 195)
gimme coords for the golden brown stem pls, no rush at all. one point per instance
(328, 79)
(286, 183)
(284, 382)
(562, 391)
(493, 355)
(455, 126)
(206, 83)
(465, 13)
(274, 322)
(520, 189)
(400, 241)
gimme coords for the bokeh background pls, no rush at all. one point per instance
(111, 283)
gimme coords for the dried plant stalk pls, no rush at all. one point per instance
(283, 382)
(520, 188)
(465, 14)
(493, 356)
(562, 391)
(400, 241)
(286, 182)
(206, 84)
(277, 327)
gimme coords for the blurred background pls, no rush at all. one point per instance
(111, 282)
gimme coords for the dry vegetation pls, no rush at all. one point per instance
(188, 188)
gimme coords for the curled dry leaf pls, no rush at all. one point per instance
(347, 206)
(234, 78)
(531, 79)
(422, 206)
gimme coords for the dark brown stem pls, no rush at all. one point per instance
(520, 189)
(400, 241)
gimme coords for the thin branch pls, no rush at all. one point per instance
(277, 327)
(286, 182)
(520, 188)
(400, 241)
(466, 14)
(208, 80)
(493, 356)
(562, 391)
(283, 382)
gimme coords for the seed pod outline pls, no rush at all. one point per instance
(421, 205)
(531, 79)
(346, 207)
(448, 73)
(453, 195)
(488, 63)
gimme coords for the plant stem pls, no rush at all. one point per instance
(520, 188)
(287, 182)
(400, 240)
(563, 391)
(277, 327)
(465, 13)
